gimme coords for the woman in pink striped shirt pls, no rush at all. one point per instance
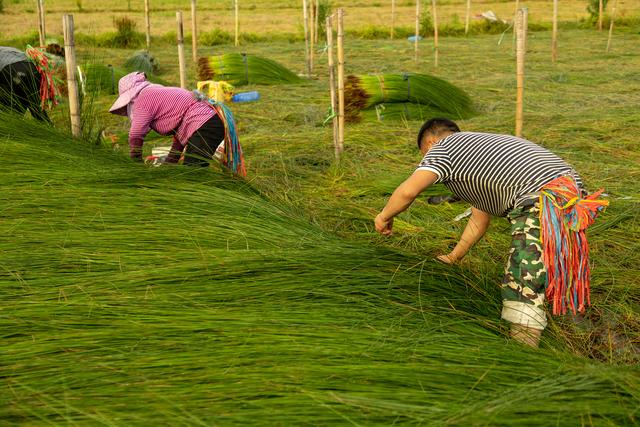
(196, 128)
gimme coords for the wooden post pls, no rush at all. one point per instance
(237, 38)
(600, 13)
(417, 30)
(180, 33)
(147, 22)
(340, 80)
(311, 42)
(316, 17)
(613, 17)
(72, 84)
(466, 19)
(554, 33)
(435, 33)
(42, 34)
(332, 84)
(194, 32)
(305, 24)
(393, 17)
(521, 34)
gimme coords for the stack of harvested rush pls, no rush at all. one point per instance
(433, 95)
(241, 69)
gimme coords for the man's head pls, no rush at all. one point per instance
(434, 130)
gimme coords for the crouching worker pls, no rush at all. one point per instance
(542, 196)
(26, 82)
(198, 125)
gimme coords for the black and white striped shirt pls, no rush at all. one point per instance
(494, 173)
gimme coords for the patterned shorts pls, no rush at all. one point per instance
(525, 279)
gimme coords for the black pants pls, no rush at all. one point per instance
(20, 90)
(203, 143)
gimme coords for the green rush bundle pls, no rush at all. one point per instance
(142, 61)
(404, 111)
(365, 91)
(135, 295)
(241, 69)
(104, 79)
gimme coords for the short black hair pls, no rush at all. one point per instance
(436, 127)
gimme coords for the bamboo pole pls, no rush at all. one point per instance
(340, 80)
(393, 18)
(600, 13)
(180, 34)
(316, 26)
(332, 84)
(417, 30)
(237, 17)
(521, 34)
(467, 17)
(435, 32)
(42, 34)
(72, 84)
(554, 33)
(147, 23)
(194, 32)
(305, 23)
(311, 42)
(613, 17)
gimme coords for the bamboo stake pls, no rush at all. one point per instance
(613, 17)
(554, 33)
(180, 34)
(237, 38)
(332, 84)
(72, 84)
(317, 17)
(340, 81)
(311, 42)
(393, 17)
(600, 13)
(194, 32)
(466, 19)
(521, 32)
(41, 27)
(435, 32)
(147, 21)
(417, 30)
(305, 23)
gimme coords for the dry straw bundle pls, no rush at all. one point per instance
(366, 91)
(242, 69)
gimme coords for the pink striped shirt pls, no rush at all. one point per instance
(168, 111)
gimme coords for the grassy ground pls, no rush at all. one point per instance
(583, 108)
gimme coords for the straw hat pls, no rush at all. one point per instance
(129, 87)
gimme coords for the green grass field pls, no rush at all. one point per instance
(134, 295)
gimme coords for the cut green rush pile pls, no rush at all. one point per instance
(131, 294)
(241, 69)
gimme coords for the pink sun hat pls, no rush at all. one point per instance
(129, 87)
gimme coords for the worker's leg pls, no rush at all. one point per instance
(203, 143)
(525, 278)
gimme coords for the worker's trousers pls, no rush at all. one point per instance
(525, 279)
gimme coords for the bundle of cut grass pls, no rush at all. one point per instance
(142, 61)
(405, 111)
(365, 91)
(134, 294)
(104, 79)
(242, 69)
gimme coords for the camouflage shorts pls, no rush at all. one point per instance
(525, 278)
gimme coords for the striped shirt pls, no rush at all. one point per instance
(494, 173)
(168, 111)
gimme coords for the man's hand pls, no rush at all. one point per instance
(447, 259)
(383, 226)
